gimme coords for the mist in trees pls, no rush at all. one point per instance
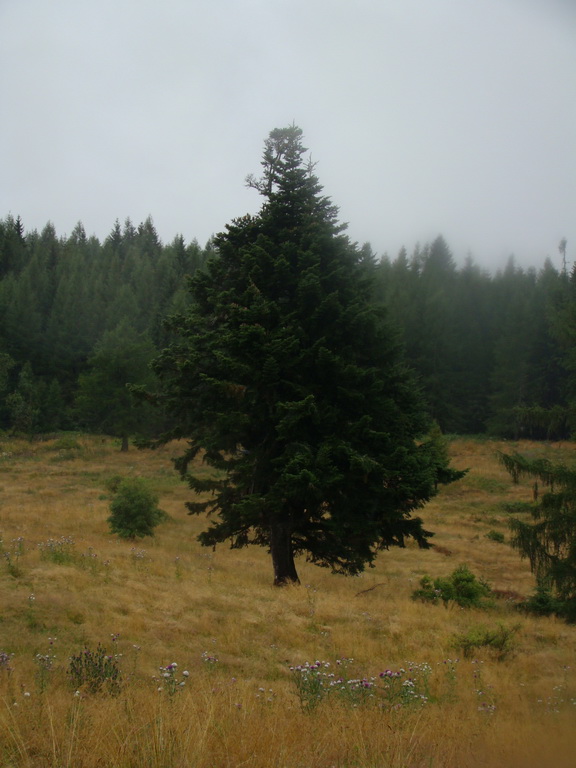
(493, 353)
(80, 319)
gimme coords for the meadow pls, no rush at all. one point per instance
(161, 653)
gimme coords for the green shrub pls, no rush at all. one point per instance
(66, 443)
(543, 602)
(95, 671)
(496, 536)
(134, 511)
(461, 587)
(113, 482)
(61, 551)
(500, 640)
(568, 610)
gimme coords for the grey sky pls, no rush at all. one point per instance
(424, 116)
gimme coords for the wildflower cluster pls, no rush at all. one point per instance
(139, 556)
(450, 666)
(406, 686)
(263, 694)
(89, 560)
(60, 551)
(45, 660)
(315, 682)
(12, 556)
(45, 665)
(560, 695)
(312, 682)
(208, 658)
(5, 661)
(169, 679)
(96, 671)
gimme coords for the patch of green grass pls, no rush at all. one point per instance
(492, 485)
(66, 443)
(499, 640)
(76, 617)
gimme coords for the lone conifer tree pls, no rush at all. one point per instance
(291, 384)
(549, 541)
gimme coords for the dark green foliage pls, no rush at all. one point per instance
(496, 536)
(12, 245)
(113, 482)
(104, 401)
(492, 352)
(134, 511)
(95, 671)
(542, 602)
(437, 343)
(461, 587)
(24, 403)
(59, 296)
(549, 540)
(292, 384)
(563, 331)
(529, 382)
(6, 365)
(438, 445)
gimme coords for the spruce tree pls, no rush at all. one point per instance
(549, 540)
(290, 383)
(104, 402)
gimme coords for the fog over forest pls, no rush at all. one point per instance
(80, 318)
(424, 118)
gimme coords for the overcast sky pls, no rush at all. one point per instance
(424, 116)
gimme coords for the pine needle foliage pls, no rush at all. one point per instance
(291, 384)
(549, 540)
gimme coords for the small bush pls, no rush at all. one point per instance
(500, 640)
(12, 556)
(496, 536)
(5, 661)
(66, 443)
(317, 682)
(95, 671)
(461, 587)
(546, 602)
(542, 602)
(113, 482)
(134, 511)
(60, 551)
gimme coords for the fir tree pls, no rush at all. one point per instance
(549, 541)
(103, 401)
(292, 385)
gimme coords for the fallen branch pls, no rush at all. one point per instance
(362, 592)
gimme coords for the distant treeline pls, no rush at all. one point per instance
(80, 318)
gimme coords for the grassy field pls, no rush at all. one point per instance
(68, 585)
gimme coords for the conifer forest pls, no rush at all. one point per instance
(80, 319)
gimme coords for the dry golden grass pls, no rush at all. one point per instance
(177, 601)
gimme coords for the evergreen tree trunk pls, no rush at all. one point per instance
(124, 446)
(282, 555)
